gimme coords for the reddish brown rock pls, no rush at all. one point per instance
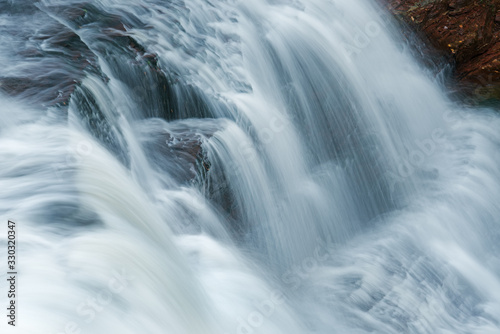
(466, 30)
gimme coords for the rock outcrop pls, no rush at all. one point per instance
(468, 31)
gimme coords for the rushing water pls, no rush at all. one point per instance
(279, 166)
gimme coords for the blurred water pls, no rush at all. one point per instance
(240, 167)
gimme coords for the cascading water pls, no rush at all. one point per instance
(240, 167)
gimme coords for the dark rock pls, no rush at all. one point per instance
(465, 30)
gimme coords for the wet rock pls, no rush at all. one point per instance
(177, 147)
(467, 31)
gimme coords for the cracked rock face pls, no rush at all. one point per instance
(466, 30)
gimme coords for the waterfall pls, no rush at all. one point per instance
(232, 167)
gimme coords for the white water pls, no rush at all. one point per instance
(344, 194)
